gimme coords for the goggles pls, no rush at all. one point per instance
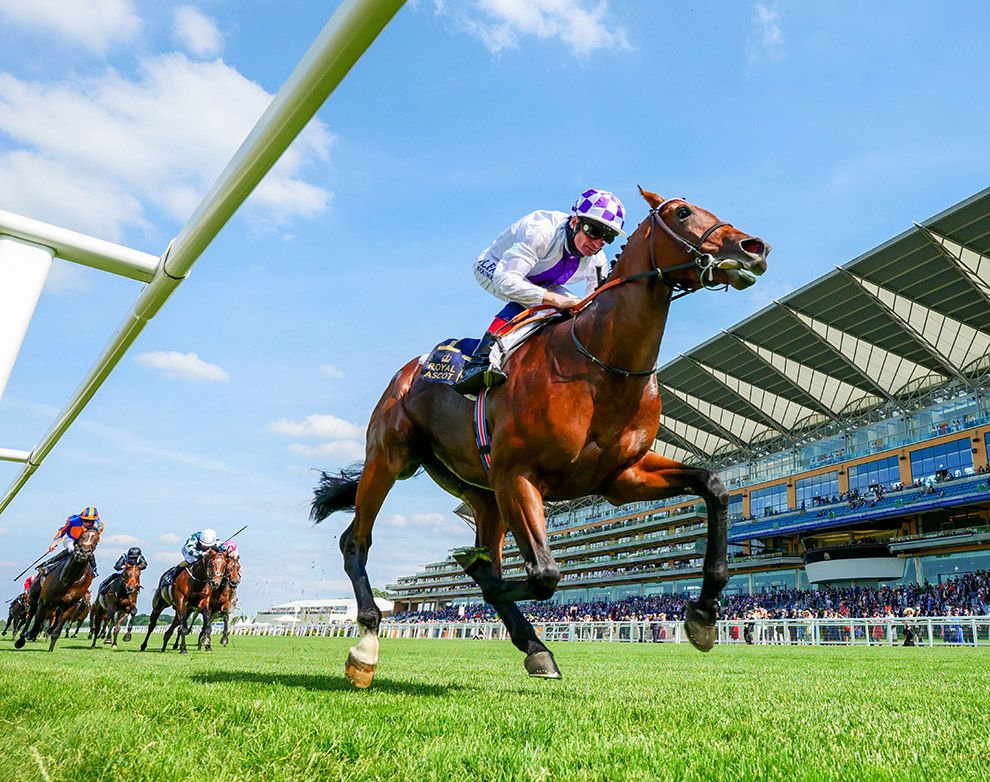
(598, 231)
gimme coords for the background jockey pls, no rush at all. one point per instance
(533, 259)
(230, 547)
(196, 545)
(68, 534)
(27, 584)
(132, 557)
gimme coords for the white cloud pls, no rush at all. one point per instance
(768, 42)
(501, 23)
(123, 540)
(346, 450)
(170, 537)
(186, 366)
(197, 32)
(168, 557)
(154, 141)
(330, 371)
(91, 24)
(324, 426)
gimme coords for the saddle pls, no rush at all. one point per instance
(445, 363)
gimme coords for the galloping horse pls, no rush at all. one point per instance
(17, 615)
(116, 600)
(576, 417)
(78, 613)
(58, 592)
(222, 601)
(188, 589)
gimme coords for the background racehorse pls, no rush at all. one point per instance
(188, 589)
(17, 614)
(116, 600)
(577, 416)
(57, 592)
(78, 614)
(224, 599)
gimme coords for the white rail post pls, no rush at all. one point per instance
(23, 270)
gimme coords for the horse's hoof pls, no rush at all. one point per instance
(700, 628)
(19, 643)
(143, 647)
(223, 641)
(361, 674)
(183, 651)
(541, 665)
(127, 637)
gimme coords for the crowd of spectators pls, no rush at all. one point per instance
(966, 595)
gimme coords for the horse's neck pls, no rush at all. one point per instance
(72, 569)
(624, 326)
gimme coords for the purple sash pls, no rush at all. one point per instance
(559, 273)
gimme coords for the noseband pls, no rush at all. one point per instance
(704, 262)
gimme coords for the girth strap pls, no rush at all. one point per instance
(481, 430)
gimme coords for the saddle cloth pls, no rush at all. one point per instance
(446, 361)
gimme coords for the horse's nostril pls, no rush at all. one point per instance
(753, 246)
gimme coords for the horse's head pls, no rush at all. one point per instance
(233, 571)
(132, 578)
(214, 567)
(85, 544)
(713, 253)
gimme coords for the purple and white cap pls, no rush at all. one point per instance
(601, 206)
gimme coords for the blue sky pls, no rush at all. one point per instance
(825, 128)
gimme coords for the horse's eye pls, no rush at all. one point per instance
(683, 213)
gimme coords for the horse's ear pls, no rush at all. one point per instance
(651, 198)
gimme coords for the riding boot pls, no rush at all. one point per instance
(479, 373)
(92, 564)
(46, 567)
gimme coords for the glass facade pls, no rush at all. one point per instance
(809, 490)
(767, 501)
(954, 457)
(735, 507)
(880, 471)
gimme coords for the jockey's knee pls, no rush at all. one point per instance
(543, 581)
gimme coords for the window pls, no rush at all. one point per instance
(768, 501)
(882, 471)
(735, 507)
(809, 490)
(953, 457)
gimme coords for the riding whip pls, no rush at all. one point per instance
(18, 576)
(232, 536)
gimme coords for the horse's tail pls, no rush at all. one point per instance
(335, 491)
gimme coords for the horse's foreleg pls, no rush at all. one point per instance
(130, 623)
(61, 621)
(654, 478)
(116, 628)
(94, 625)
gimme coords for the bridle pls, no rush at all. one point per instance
(705, 263)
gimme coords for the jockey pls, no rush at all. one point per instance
(196, 545)
(27, 585)
(68, 534)
(531, 261)
(132, 557)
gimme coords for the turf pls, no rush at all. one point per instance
(280, 709)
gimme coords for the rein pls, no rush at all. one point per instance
(704, 262)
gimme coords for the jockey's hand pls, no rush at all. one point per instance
(51, 548)
(560, 301)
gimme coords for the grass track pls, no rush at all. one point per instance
(280, 709)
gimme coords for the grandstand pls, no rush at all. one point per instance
(341, 609)
(850, 422)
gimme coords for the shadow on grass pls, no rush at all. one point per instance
(320, 683)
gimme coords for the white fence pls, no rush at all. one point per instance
(931, 631)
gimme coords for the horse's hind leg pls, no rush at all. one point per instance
(157, 606)
(381, 469)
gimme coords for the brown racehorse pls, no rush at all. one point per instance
(576, 417)
(222, 601)
(225, 598)
(79, 613)
(17, 614)
(58, 592)
(190, 590)
(116, 600)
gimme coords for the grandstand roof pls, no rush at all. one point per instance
(898, 322)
